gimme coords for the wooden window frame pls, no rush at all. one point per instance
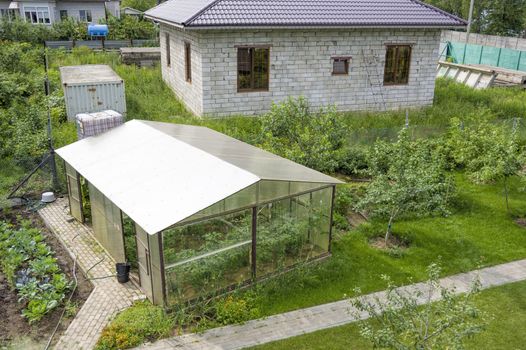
(253, 47)
(188, 61)
(167, 49)
(346, 59)
(396, 62)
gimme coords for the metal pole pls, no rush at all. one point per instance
(52, 163)
(470, 19)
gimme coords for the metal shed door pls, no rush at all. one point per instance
(74, 193)
(143, 261)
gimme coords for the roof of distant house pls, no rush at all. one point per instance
(302, 13)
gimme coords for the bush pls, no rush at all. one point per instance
(352, 160)
(140, 323)
(30, 269)
(313, 139)
(235, 310)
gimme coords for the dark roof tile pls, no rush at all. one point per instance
(315, 13)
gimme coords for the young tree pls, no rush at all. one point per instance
(408, 177)
(488, 152)
(411, 318)
(312, 138)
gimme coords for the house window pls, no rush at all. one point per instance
(167, 47)
(340, 65)
(63, 14)
(38, 14)
(253, 68)
(85, 15)
(397, 61)
(8, 14)
(188, 62)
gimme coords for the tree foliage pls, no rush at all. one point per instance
(488, 152)
(141, 5)
(401, 322)
(408, 177)
(312, 138)
(497, 17)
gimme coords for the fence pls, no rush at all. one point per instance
(101, 44)
(487, 55)
(505, 42)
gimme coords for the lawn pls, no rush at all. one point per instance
(505, 305)
(478, 233)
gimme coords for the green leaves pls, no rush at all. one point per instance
(399, 321)
(311, 138)
(408, 177)
(31, 269)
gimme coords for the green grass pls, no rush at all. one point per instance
(139, 323)
(505, 305)
(478, 233)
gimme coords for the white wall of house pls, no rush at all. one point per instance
(97, 9)
(191, 93)
(301, 65)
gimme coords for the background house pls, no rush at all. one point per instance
(49, 12)
(237, 57)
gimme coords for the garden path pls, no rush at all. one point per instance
(324, 316)
(108, 296)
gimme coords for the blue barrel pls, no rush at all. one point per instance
(98, 30)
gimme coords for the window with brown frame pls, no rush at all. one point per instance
(167, 47)
(188, 61)
(397, 62)
(340, 65)
(253, 68)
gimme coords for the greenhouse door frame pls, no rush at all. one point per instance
(74, 181)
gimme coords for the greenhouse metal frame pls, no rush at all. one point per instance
(209, 213)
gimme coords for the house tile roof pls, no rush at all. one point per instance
(313, 13)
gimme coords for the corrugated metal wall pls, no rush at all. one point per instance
(94, 98)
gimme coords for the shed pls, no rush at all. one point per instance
(92, 88)
(207, 212)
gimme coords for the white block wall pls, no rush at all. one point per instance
(301, 65)
(98, 10)
(174, 75)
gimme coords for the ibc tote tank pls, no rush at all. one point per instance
(92, 88)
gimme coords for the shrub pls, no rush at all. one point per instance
(293, 131)
(352, 160)
(232, 310)
(140, 323)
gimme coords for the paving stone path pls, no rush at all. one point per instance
(324, 316)
(108, 296)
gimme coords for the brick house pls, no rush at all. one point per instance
(227, 57)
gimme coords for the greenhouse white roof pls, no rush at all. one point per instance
(161, 173)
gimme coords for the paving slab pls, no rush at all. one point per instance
(328, 315)
(108, 296)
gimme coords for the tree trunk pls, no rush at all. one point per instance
(506, 193)
(388, 233)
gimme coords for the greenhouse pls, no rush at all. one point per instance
(195, 211)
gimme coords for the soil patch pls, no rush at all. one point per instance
(14, 329)
(392, 242)
(355, 219)
(521, 222)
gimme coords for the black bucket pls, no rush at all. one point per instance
(123, 272)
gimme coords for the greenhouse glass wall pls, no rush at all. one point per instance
(206, 215)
